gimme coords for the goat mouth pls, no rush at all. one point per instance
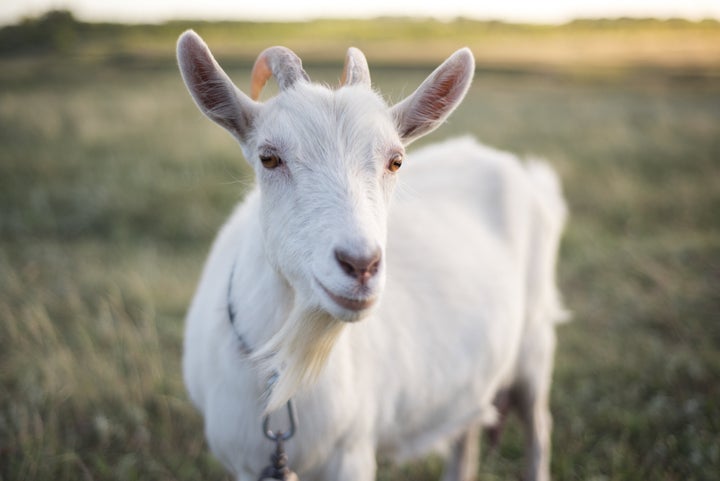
(347, 303)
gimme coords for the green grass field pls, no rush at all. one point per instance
(112, 186)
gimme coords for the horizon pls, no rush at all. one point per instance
(511, 11)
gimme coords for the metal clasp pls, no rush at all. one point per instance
(281, 435)
(278, 469)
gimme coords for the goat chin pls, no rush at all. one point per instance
(297, 353)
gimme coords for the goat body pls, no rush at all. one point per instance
(394, 325)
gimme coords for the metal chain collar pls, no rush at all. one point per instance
(278, 468)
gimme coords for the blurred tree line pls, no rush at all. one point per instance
(54, 31)
(60, 32)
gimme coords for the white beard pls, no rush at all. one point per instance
(297, 353)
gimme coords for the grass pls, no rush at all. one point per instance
(112, 187)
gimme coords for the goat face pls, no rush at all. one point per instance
(325, 163)
(321, 159)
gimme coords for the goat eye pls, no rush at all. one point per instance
(395, 162)
(270, 161)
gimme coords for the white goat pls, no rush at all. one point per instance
(466, 311)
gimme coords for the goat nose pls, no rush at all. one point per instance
(362, 268)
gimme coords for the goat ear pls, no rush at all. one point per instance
(426, 108)
(211, 88)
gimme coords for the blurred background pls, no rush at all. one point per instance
(113, 185)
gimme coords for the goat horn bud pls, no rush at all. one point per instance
(280, 62)
(355, 71)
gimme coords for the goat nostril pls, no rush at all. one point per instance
(346, 267)
(346, 262)
(375, 264)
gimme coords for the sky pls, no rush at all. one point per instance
(534, 11)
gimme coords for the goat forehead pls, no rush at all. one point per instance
(321, 123)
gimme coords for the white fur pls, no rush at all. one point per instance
(466, 296)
